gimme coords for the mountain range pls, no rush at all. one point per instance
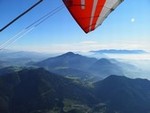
(40, 91)
(68, 60)
(20, 58)
(69, 65)
(75, 65)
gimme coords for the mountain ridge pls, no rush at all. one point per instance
(98, 68)
(121, 51)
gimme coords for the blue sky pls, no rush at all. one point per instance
(125, 28)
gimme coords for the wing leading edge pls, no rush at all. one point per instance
(90, 14)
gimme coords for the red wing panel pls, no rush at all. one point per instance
(85, 12)
(89, 14)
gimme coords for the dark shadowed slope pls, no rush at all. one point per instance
(124, 95)
(39, 91)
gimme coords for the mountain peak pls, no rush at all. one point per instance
(116, 78)
(68, 60)
(69, 54)
(104, 61)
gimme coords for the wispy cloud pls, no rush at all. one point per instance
(87, 46)
(89, 42)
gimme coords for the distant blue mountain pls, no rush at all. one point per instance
(105, 67)
(115, 51)
(67, 60)
(71, 64)
(20, 58)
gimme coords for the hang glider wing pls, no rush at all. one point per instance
(89, 14)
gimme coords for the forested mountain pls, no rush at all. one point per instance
(40, 91)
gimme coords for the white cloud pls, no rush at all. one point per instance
(87, 46)
(89, 42)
